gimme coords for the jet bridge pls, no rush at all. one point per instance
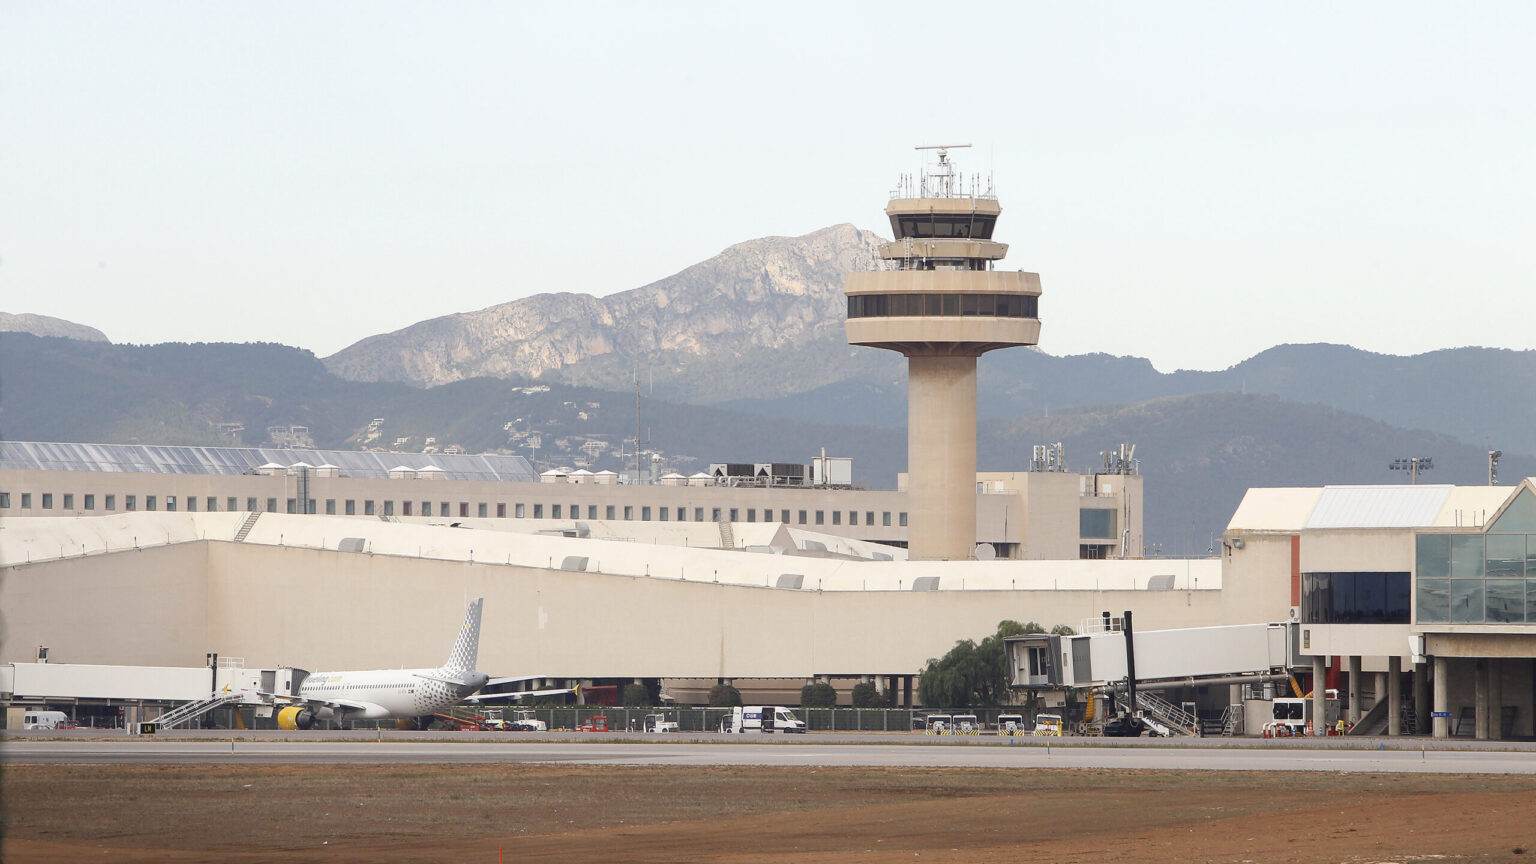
(1185, 657)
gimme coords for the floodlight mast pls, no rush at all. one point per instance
(1413, 465)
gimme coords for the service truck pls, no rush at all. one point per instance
(762, 718)
(45, 720)
(659, 723)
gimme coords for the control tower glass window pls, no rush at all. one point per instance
(929, 225)
(944, 305)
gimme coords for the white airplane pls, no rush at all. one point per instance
(382, 694)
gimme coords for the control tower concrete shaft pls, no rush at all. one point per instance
(941, 303)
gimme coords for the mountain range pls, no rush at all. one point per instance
(743, 359)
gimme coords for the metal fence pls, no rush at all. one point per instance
(711, 719)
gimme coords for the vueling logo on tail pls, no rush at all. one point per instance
(466, 648)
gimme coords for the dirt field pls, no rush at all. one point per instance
(466, 813)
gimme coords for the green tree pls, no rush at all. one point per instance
(866, 695)
(724, 696)
(818, 695)
(637, 695)
(1063, 630)
(972, 675)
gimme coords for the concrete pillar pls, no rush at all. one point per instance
(1394, 695)
(1495, 699)
(1421, 697)
(1442, 705)
(1320, 695)
(941, 457)
(1379, 688)
(1480, 701)
(1354, 691)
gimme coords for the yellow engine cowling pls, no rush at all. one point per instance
(295, 718)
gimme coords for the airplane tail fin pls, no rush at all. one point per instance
(466, 648)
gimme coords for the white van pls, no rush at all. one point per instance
(762, 718)
(45, 720)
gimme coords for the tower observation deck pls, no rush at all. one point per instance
(943, 304)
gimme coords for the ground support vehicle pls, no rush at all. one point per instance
(659, 723)
(762, 718)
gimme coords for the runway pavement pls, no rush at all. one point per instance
(996, 754)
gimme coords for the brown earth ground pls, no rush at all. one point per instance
(473, 813)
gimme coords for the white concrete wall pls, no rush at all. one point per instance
(321, 609)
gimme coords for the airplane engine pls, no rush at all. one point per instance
(295, 718)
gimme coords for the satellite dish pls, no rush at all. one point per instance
(984, 552)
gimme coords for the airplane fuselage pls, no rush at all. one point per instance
(379, 694)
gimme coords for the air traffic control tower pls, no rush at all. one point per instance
(942, 304)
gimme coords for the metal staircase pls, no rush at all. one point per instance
(1230, 718)
(193, 710)
(247, 525)
(727, 536)
(1178, 721)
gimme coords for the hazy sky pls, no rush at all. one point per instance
(1194, 182)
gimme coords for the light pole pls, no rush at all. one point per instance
(1413, 465)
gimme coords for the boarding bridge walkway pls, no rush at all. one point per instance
(193, 710)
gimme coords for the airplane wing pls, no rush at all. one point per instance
(521, 694)
(517, 679)
(336, 704)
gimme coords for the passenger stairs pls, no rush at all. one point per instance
(727, 536)
(1178, 721)
(193, 710)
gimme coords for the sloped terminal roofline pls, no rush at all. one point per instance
(172, 459)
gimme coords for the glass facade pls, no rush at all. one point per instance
(1354, 598)
(1475, 578)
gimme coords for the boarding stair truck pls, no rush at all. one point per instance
(762, 718)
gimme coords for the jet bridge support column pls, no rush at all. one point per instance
(1480, 700)
(1421, 697)
(1394, 695)
(1495, 699)
(1319, 695)
(1354, 691)
(1442, 724)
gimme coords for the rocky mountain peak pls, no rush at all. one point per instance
(770, 293)
(44, 325)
